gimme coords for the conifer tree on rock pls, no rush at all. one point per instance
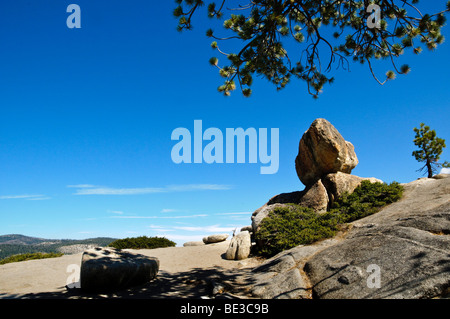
(430, 149)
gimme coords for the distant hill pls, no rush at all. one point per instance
(13, 244)
(16, 239)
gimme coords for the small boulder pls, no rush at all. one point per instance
(323, 150)
(441, 176)
(211, 239)
(315, 197)
(339, 183)
(239, 247)
(247, 228)
(109, 269)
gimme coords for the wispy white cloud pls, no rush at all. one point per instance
(161, 217)
(116, 191)
(99, 190)
(81, 186)
(445, 170)
(195, 187)
(26, 197)
(160, 228)
(118, 212)
(169, 210)
(206, 229)
(236, 216)
(39, 198)
(237, 213)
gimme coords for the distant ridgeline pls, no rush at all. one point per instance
(19, 244)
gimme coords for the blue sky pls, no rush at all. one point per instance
(86, 117)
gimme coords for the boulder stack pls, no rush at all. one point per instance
(323, 164)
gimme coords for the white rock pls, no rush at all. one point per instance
(215, 238)
(239, 247)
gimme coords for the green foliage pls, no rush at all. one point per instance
(287, 227)
(267, 28)
(366, 200)
(430, 149)
(28, 256)
(142, 242)
(294, 225)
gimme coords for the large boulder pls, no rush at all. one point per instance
(240, 246)
(323, 150)
(211, 239)
(109, 269)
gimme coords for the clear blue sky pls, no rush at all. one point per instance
(86, 117)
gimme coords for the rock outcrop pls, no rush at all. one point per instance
(406, 244)
(110, 269)
(282, 276)
(323, 164)
(322, 150)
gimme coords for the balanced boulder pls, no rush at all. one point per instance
(323, 150)
(109, 269)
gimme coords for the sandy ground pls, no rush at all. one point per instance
(184, 272)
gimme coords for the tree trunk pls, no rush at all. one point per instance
(430, 169)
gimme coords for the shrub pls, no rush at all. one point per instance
(287, 227)
(28, 256)
(142, 242)
(293, 225)
(366, 200)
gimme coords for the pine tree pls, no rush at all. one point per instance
(430, 149)
(266, 28)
